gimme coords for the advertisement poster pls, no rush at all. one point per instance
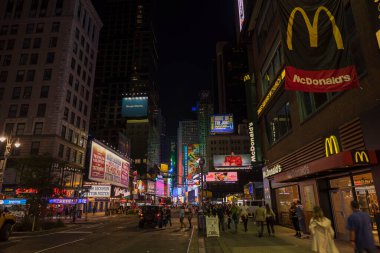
(212, 226)
(151, 189)
(160, 191)
(316, 48)
(223, 123)
(192, 160)
(134, 107)
(221, 177)
(232, 161)
(107, 167)
(99, 191)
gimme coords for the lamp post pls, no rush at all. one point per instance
(7, 152)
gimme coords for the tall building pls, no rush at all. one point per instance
(231, 66)
(321, 148)
(187, 133)
(127, 67)
(48, 52)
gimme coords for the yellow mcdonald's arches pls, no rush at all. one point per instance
(313, 28)
(331, 146)
(360, 156)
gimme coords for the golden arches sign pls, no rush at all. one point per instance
(331, 146)
(361, 157)
(313, 28)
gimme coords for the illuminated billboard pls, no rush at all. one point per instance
(192, 160)
(232, 162)
(160, 188)
(223, 123)
(241, 13)
(108, 167)
(221, 177)
(134, 107)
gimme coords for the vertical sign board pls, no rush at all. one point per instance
(317, 53)
(212, 226)
(185, 161)
(193, 154)
(241, 13)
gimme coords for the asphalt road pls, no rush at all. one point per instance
(110, 236)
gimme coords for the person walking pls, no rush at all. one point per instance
(220, 213)
(301, 217)
(244, 216)
(190, 215)
(235, 215)
(359, 225)
(168, 215)
(322, 233)
(270, 218)
(294, 219)
(260, 216)
(182, 216)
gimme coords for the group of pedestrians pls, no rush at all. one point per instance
(187, 211)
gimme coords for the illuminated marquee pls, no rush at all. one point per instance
(271, 92)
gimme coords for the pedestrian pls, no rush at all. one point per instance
(235, 215)
(294, 219)
(190, 215)
(229, 219)
(270, 218)
(359, 225)
(322, 233)
(93, 210)
(301, 216)
(169, 215)
(244, 216)
(182, 216)
(260, 216)
(220, 213)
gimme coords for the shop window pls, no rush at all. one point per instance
(284, 198)
(278, 122)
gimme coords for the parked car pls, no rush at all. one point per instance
(7, 220)
(151, 215)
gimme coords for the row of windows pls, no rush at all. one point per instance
(27, 94)
(78, 104)
(26, 75)
(36, 8)
(20, 128)
(86, 21)
(71, 155)
(73, 119)
(6, 60)
(28, 43)
(76, 86)
(22, 110)
(270, 73)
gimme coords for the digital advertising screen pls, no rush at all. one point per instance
(241, 13)
(221, 177)
(160, 188)
(193, 153)
(134, 107)
(222, 124)
(108, 167)
(232, 162)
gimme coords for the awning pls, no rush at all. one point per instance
(334, 163)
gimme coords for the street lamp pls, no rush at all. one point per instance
(7, 152)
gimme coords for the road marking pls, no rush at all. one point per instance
(191, 237)
(60, 245)
(75, 232)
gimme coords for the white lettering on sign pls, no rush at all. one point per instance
(252, 141)
(270, 172)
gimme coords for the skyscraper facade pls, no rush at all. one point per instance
(48, 52)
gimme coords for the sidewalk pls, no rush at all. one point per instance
(244, 242)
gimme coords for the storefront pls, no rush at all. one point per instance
(331, 182)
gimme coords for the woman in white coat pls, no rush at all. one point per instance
(322, 233)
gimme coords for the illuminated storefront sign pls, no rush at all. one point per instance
(331, 146)
(271, 92)
(270, 172)
(221, 177)
(68, 201)
(12, 201)
(251, 130)
(223, 123)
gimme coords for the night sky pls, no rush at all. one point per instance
(187, 34)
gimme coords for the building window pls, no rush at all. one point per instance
(75, 48)
(84, 125)
(2, 44)
(33, 59)
(23, 59)
(278, 122)
(1, 93)
(41, 110)
(63, 132)
(20, 75)
(66, 114)
(309, 103)
(71, 79)
(16, 93)
(29, 28)
(75, 101)
(76, 138)
(40, 28)
(72, 118)
(73, 63)
(9, 128)
(85, 110)
(70, 135)
(35, 148)
(76, 86)
(68, 153)
(44, 91)
(30, 75)
(60, 150)
(11, 44)
(3, 76)
(58, 7)
(20, 128)
(55, 27)
(77, 124)
(68, 96)
(33, 8)
(80, 55)
(43, 7)
(24, 108)
(27, 92)
(26, 43)
(271, 72)
(37, 42)
(50, 57)
(7, 60)
(47, 74)
(38, 127)
(14, 29)
(53, 42)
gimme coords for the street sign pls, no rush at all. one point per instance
(212, 226)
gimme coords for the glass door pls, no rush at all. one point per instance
(341, 207)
